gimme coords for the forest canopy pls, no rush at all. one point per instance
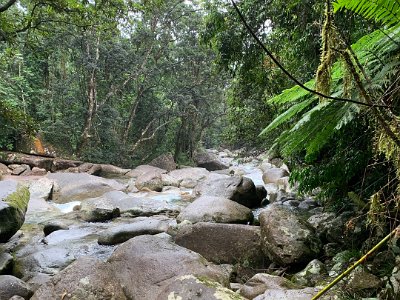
(124, 81)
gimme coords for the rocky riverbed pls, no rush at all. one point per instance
(230, 228)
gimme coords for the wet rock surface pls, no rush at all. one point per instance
(215, 209)
(157, 232)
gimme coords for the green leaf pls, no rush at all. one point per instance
(384, 11)
(287, 115)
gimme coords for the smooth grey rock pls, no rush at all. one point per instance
(70, 187)
(168, 180)
(49, 261)
(273, 175)
(11, 286)
(52, 226)
(150, 181)
(41, 188)
(100, 214)
(209, 161)
(86, 278)
(131, 206)
(121, 233)
(102, 208)
(215, 209)
(286, 237)
(143, 169)
(154, 263)
(189, 177)
(165, 161)
(224, 243)
(107, 170)
(236, 188)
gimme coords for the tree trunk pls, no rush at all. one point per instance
(91, 99)
(132, 115)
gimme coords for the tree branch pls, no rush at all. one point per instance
(287, 73)
(7, 5)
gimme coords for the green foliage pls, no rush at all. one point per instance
(17, 91)
(383, 11)
(345, 165)
(317, 126)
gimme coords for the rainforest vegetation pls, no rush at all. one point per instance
(121, 82)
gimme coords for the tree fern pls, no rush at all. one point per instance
(376, 53)
(384, 11)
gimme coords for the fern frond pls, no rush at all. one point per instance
(293, 94)
(287, 115)
(317, 127)
(384, 11)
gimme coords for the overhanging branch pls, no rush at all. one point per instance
(7, 5)
(287, 73)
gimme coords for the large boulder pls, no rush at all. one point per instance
(146, 264)
(165, 161)
(70, 187)
(209, 161)
(87, 278)
(237, 188)
(333, 228)
(89, 168)
(13, 205)
(41, 188)
(189, 177)
(150, 181)
(215, 209)
(139, 226)
(103, 208)
(63, 164)
(143, 169)
(224, 243)
(286, 237)
(21, 158)
(128, 205)
(4, 170)
(107, 170)
(273, 175)
(11, 286)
